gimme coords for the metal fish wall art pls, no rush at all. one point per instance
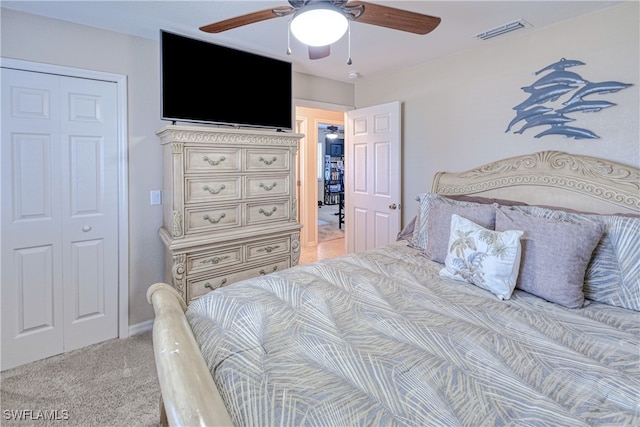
(536, 111)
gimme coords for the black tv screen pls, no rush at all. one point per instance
(207, 83)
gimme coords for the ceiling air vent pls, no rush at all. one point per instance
(503, 29)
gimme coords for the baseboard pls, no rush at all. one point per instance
(141, 328)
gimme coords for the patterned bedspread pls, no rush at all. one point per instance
(379, 338)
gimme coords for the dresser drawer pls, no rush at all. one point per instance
(200, 220)
(199, 287)
(267, 160)
(200, 159)
(198, 190)
(267, 248)
(267, 186)
(270, 211)
(209, 260)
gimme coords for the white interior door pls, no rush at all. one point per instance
(372, 176)
(59, 258)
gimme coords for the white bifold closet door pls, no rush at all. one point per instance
(59, 259)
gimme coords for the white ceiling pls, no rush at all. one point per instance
(373, 49)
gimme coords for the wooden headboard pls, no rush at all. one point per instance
(552, 178)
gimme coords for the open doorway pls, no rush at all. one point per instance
(330, 182)
(312, 123)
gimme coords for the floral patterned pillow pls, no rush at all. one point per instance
(486, 258)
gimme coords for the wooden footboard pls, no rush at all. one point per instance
(189, 394)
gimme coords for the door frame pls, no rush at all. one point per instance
(308, 203)
(123, 161)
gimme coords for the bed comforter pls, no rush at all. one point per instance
(379, 338)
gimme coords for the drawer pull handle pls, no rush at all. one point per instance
(262, 272)
(266, 213)
(267, 162)
(268, 249)
(266, 187)
(210, 286)
(214, 260)
(213, 220)
(214, 162)
(212, 191)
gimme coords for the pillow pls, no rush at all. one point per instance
(407, 232)
(419, 226)
(419, 239)
(555, 255)
(439, 222)
(486, 258)
(420, 235)
(613, 275)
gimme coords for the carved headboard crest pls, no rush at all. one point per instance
(599, 178)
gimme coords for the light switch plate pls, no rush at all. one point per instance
(156, 197)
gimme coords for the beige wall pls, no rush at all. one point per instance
(318, 89)
(33, 38)
(456, 109)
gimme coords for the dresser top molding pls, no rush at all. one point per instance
(220, 135)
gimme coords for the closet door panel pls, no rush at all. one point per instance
(89, 214)
(31, 274)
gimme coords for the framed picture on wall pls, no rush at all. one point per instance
(336, 150)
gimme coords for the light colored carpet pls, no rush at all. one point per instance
(329, 232)
(328, 223)
(113, 383)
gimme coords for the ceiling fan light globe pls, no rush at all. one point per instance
(320, 26)
(333, 132)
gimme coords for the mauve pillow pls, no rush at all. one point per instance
(613, 275)
(439, 224)
(555, 255)
(420, 235)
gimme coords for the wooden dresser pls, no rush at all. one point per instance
(229, 208)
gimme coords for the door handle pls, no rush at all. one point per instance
(392, 206)
(86, 228)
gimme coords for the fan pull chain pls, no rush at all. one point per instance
(289, 38)
(349, 62)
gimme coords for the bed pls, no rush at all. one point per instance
(511, 299)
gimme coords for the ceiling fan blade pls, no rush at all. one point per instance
(319, 52)
(396, 19)
(249, 18)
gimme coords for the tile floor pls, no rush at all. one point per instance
(326, 249)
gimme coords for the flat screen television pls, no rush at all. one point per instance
(203, 82)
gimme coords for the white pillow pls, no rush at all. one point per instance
(486, 258)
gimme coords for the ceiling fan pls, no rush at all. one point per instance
(332, 132)
(319, 23)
